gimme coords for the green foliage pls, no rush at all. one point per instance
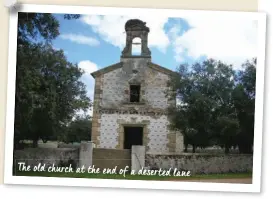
(244, 102)
(215, 104)
(78, 130)
(32, 26)
(48, 91)
(48, 87)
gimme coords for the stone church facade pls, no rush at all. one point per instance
(130, 101)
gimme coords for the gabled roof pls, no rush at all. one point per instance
(107, 69)
(119, 65)
(161, 69)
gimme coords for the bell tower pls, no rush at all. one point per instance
(136, 28)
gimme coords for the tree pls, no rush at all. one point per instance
(48, 93)
(48, 89)
(198, 91)
(78, 130)
(244, 102)
(33, 27)
(206, 113)
(227, 129)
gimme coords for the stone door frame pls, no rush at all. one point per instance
(122, 123)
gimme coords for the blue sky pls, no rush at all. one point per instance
(77, 52)
(94, 41)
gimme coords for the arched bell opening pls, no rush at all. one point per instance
(136, 46)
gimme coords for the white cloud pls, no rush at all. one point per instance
(174, 31)
(111, 29)
(230, 40)
(88, 67)
(80, 39)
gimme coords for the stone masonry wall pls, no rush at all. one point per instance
(115, 85)
(112, 93)
(201, 164)
(48, 156)
(155, 136)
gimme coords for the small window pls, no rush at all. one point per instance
(134, 93)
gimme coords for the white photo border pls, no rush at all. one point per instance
(162, 185)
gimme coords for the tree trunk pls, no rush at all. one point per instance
(186, 148)
(247, 149)
(193, 148)
(44, 140)
(35, 143)
(226, 149)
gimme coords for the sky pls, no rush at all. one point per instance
(94, 41)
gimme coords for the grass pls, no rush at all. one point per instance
(134, 177)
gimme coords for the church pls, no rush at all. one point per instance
(130, 102)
